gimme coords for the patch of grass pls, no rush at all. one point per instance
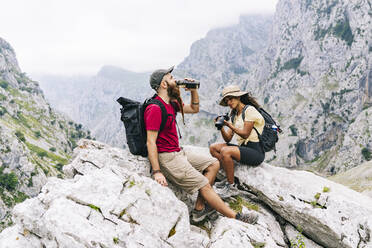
(94, 207)
(258, 244)
(317, 196)
(366, 154)
(115, 240)
(131, 184)
(20, 197)
(238, 203)
(43, 153)
(172, 231)
(326, 189)
(298, 242)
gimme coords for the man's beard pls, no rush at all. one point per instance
(175, 93)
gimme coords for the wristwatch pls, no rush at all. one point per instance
(155, 171)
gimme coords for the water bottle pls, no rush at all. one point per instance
(184, 83)
(274, 128)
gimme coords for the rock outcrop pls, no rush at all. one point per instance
(109, 201)
(35, 141)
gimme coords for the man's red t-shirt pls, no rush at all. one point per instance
(167, 140)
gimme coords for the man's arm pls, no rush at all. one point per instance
(193, 107)
(153, 157)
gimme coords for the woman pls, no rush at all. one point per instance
(248, 151)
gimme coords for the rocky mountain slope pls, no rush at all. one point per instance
(314, 76)
(358, 178)
(316, 79)
(92, 100)
(35, 141)
(309, 66)
(110, 201)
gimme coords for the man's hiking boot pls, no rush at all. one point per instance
(199, 215)
(227, 190)
(250, 218)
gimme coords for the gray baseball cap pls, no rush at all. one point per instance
(157, 76)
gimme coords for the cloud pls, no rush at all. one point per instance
(78, 37)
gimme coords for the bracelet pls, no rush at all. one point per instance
(155, 171)
(195, 103)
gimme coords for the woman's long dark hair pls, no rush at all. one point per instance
(249, 99)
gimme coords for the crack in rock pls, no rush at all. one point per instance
(90, 162)
(90, 205)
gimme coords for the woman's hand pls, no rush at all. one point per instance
(159, 178)
(228, 124)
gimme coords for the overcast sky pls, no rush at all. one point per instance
(80, 36)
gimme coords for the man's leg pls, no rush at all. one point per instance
(209, 173)
(215, 201)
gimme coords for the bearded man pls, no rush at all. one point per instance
(190, 171)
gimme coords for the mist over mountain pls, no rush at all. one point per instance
(92, 100)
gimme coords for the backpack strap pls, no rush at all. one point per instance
(233, 113)
(164, 114)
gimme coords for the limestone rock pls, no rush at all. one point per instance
(329, 213)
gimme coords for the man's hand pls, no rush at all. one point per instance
(191, 80)
(159, 178)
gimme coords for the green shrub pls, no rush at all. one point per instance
(59, 167)
(4, 84)
(20, 135)
(293, 130)
(37, 134)
(42, 154)
(293, 63)
(2, 111)
(2, 97)
(366, 154)
(343, 31)
(52, 149)
(8, 180)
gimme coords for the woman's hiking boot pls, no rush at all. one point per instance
(200, 215)
(220, 184)
(250, 218)
(227, 190)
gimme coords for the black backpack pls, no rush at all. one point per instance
(269, 135)
(132, 115)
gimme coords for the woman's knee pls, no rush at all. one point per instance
(225, 152)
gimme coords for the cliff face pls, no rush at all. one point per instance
(316, 79)
(35, 141)
(314, 76)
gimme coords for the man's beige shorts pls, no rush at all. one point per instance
(185, 168)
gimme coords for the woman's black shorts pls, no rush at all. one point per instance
(251, 153)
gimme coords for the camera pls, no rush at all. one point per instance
(220, 121)
(184, 83)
